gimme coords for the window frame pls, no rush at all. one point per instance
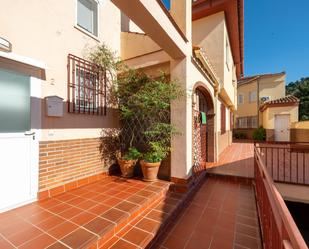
(250, 100)
(81, 28)
(243, 99)
(99, 91)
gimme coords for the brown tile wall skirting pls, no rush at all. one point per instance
(299, 135)
(64, 163)
(270, 135)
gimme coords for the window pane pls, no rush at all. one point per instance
(87, 15)
(252, 96)
(240, 99)
(14, 102)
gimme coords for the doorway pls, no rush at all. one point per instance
(18, 146)
(282, 131)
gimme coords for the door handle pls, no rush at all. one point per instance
(27, 133)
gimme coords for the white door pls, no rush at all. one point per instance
(282, 131)
(15, 140)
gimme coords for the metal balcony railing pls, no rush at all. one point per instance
(286, 162)
(279, 230)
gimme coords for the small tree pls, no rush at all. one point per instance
(259, 134)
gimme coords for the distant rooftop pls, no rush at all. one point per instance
(248, 79)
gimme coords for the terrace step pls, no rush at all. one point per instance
(86, 217)
(111, 213)
(144, 230)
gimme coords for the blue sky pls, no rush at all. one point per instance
(277, 37)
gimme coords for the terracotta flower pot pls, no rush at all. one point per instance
(150, 171)
(127, 167)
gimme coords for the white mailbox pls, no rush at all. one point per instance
(54, 106)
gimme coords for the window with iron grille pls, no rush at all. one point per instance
(86, 87)
(247, 122)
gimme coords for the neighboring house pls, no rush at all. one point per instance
(51, 132)
(262, 102)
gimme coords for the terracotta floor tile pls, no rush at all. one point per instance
(50, 223)
(40, 242)
(100, 198)
(145, 193)
(10, 227)
(83, 218)
(166, 208)
(121, 244)
(24, 235)
(76, 201)
(127, 206)
(38, 217)
(247, 230)
(49, 203)
(85, 205)
(80, 238)
(122, 195)
(221, 244)
(137, 199)
(115, 215)
(199, 241)
(70, 213)
(112, 201)
(99, 209)
(138, 237)
(157, 216)
(99, 226)
(247, 241)
(59, 208)
(63, 230)
(65, 197)
(247, 221)
(173, 242)
(57, 245)
(132, 190)
(148, 225)
(4, 244)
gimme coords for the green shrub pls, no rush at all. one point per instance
(156, 153)
(132, 154)
(259, 134)
(240, 135)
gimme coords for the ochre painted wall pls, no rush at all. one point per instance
(247, 108)
(269, 115)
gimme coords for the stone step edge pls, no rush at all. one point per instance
(98, 242)
(171, 216)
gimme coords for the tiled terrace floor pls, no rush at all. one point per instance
(222, 215)
(236, 160)
(80, 218)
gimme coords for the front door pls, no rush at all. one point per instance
(15, 140)
(282, 132)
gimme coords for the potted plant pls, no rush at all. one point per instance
(152, 160)
(128, 162)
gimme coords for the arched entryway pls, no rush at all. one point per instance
(203, 127)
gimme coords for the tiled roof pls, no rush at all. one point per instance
(249, 79)
(287, 100)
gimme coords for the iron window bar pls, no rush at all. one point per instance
(86, 87)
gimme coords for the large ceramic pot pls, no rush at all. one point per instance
(150, 170)
(127, 167)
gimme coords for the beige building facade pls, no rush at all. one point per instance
(59, 143)
(262, 102)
